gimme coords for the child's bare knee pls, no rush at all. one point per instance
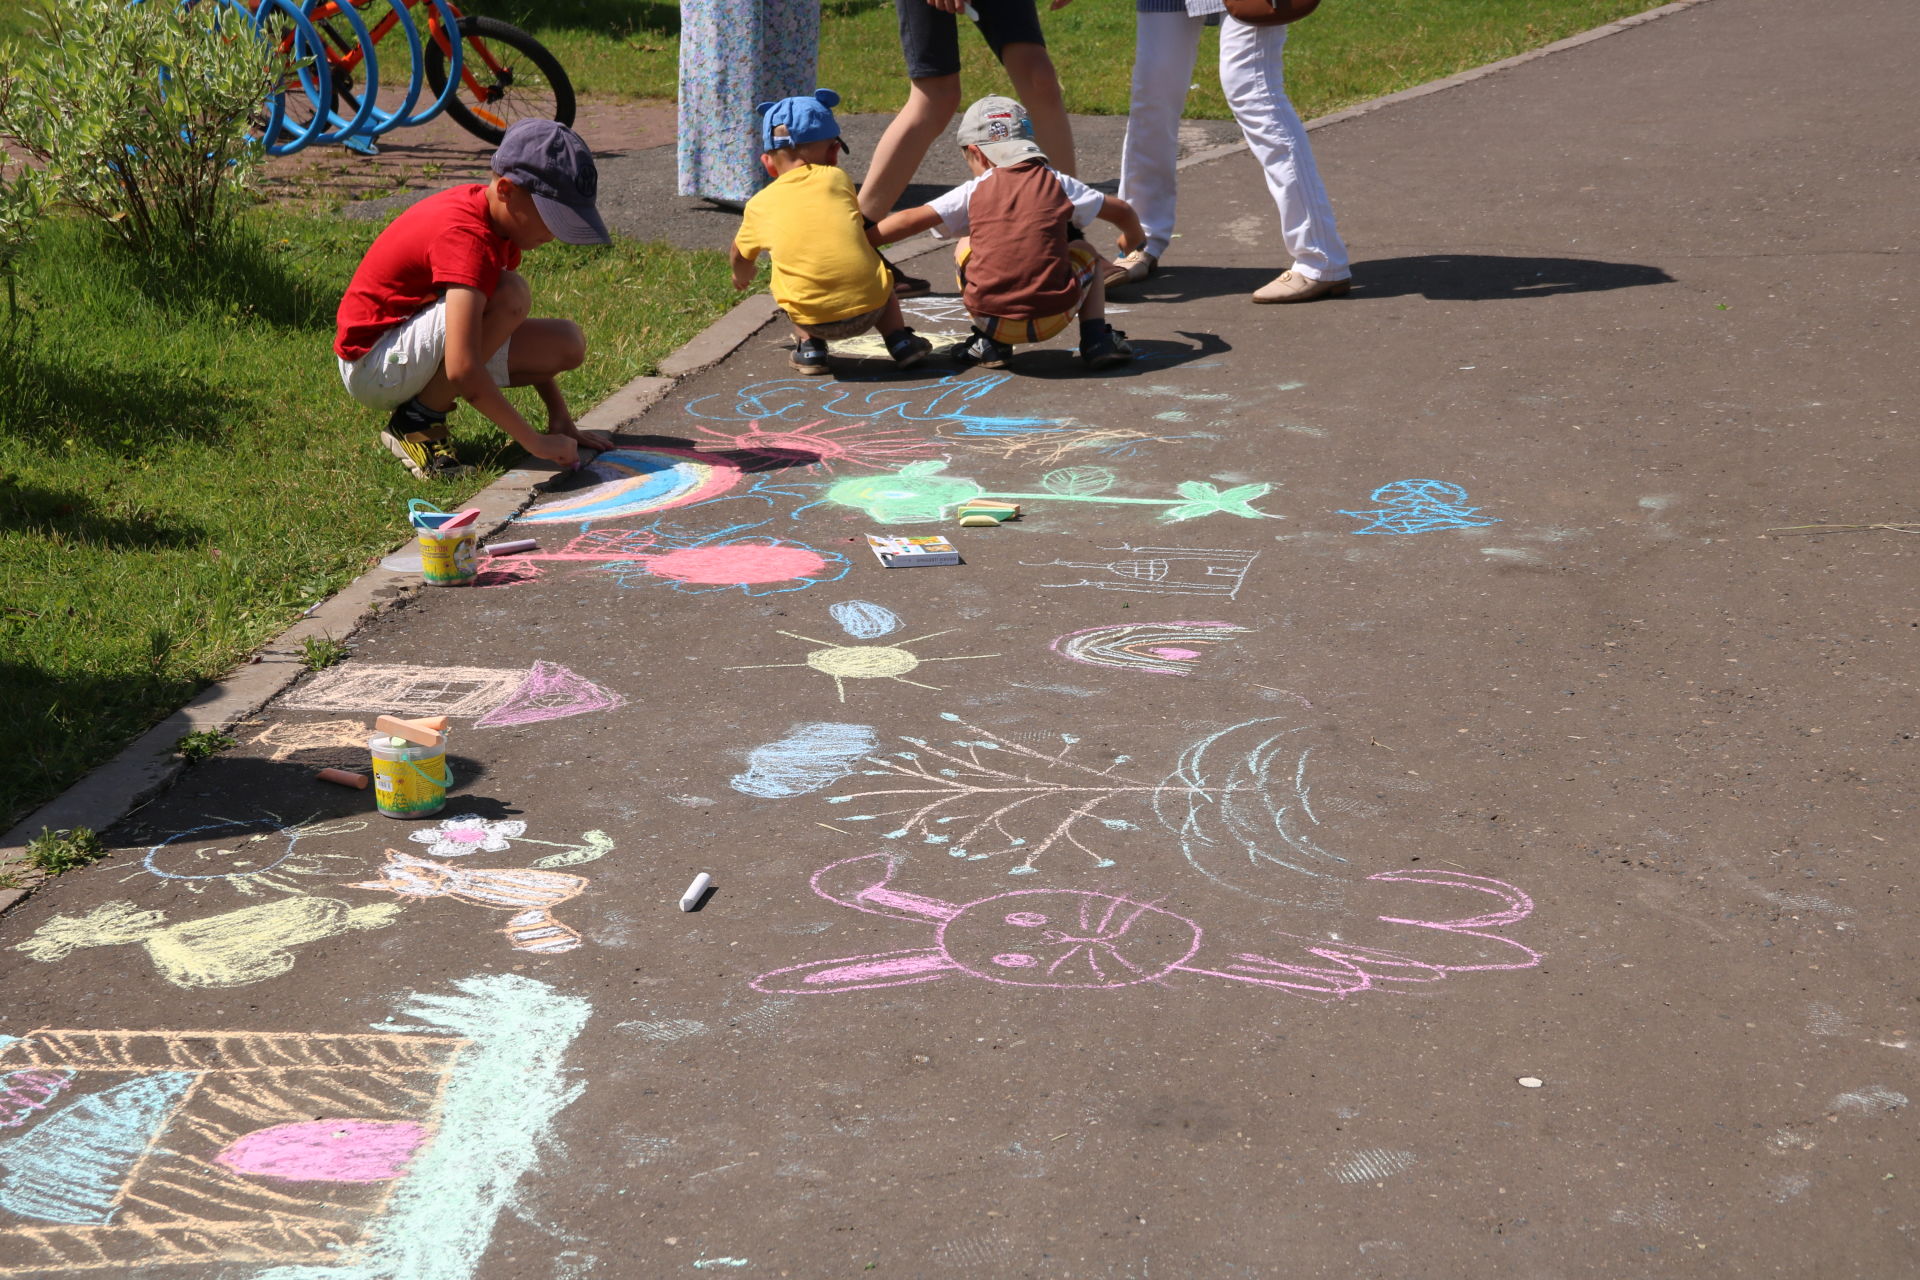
(573, 344)
(512, 296)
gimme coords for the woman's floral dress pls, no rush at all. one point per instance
(732, 57)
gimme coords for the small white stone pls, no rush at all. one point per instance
(1531, 1082)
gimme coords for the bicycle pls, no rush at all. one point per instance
(494, 74)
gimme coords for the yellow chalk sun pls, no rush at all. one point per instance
(844, 662)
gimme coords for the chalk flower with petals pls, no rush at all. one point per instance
(458, 837)
(1202, 499)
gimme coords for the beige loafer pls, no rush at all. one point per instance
(1131, 268)
(1291, 286)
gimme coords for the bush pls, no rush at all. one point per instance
(141, 114)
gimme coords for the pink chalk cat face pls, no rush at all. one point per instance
(1060, 938)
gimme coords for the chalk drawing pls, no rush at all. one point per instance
(633, 482)
(24, 1092)
(810, 757)
(1420, 506)
(1048, 447)
(250, 855)
(385, 1156)
(937, 308)
(405, 690)
(231, 950)
(549, 691)
(873, 346)
(1165, 571)
(1375, 1164)
(844, 662)
(293, 737)
(1080, 940)
(948, 400)
(864, 620)
(918, 494)
(820, 444)
(530, 894)
(466, 833)
(722, 561)
(1159, 648)
(1239, 801)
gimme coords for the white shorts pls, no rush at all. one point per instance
(405, 359)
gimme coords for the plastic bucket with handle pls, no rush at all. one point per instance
(448, 557)
(409, 780)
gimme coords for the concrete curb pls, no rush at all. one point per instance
(115, 789)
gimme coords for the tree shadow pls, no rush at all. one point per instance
(50, 399)
(240, 276)
(1441, 277)
(75, 516)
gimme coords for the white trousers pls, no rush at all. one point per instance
(1253, 79)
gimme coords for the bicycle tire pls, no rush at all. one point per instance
(477, 37)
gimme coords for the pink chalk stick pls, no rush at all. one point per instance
(463, 519)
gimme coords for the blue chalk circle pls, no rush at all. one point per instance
(864, 620)
(1420, 506)
(810, 757)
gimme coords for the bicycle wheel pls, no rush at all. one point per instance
(506, 75)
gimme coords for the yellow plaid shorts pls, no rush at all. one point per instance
(1084, 258)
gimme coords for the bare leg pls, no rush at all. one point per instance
(1037, 86)
(930, 106)
(542, 350)
(1094, 306)
(506, 312)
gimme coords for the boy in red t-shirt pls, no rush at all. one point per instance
(436, 312)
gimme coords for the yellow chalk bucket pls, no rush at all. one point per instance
(409, 780)
(448, 557)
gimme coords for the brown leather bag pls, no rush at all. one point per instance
(1270, 13)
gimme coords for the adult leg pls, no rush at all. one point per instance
(1252, 76)
(1037, 85)
(1165, 46)
(930, 107)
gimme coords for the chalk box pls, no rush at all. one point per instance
(905, 553)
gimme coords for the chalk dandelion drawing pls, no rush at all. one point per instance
(985, 796)
(918, 493)
(819, 444)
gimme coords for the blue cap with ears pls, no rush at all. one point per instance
(792, 122)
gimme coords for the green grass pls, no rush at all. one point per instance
(1349, 51)
(181, 473)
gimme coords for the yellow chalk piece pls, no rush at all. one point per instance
(411, 730)
(978, 522)
(989, 506)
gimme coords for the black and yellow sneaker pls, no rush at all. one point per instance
(418, 437)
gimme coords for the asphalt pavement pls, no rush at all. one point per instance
(1410, 797)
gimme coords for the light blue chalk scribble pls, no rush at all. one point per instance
(495, 1116)
(71, 1166)
(864, 620)
(810, 757)
(948, 399)
(1420, 506)
(704, 1263)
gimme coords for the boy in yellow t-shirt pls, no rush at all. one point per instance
(827, 277)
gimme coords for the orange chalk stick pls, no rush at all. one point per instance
(411, 730)
(345, 777)
(436, 723)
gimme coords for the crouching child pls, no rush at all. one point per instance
(437, 310)
(1024, 269)
(827, 276)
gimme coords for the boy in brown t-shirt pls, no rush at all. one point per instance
(1024, 273)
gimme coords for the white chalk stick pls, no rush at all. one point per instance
(508, 548)
(691, 898)
(973, 13)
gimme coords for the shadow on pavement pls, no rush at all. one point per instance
(1459, 277)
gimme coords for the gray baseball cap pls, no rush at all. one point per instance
(1001, 129)
(549, 162)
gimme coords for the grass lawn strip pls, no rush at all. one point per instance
(181, 474)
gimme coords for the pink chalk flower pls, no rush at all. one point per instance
(458, 837)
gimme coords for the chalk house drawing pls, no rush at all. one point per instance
(496, 695)
(1239, 801)
(234, 949)
(1080, 940)
(1420, 506)
(844, 662)
(1164, 571)
(1157, 648)
(918, 494)
(639, 482)
(531, 895)
(697, 565)
(383, 1156)
(249, 855)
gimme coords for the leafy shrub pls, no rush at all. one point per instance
(141, 114)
